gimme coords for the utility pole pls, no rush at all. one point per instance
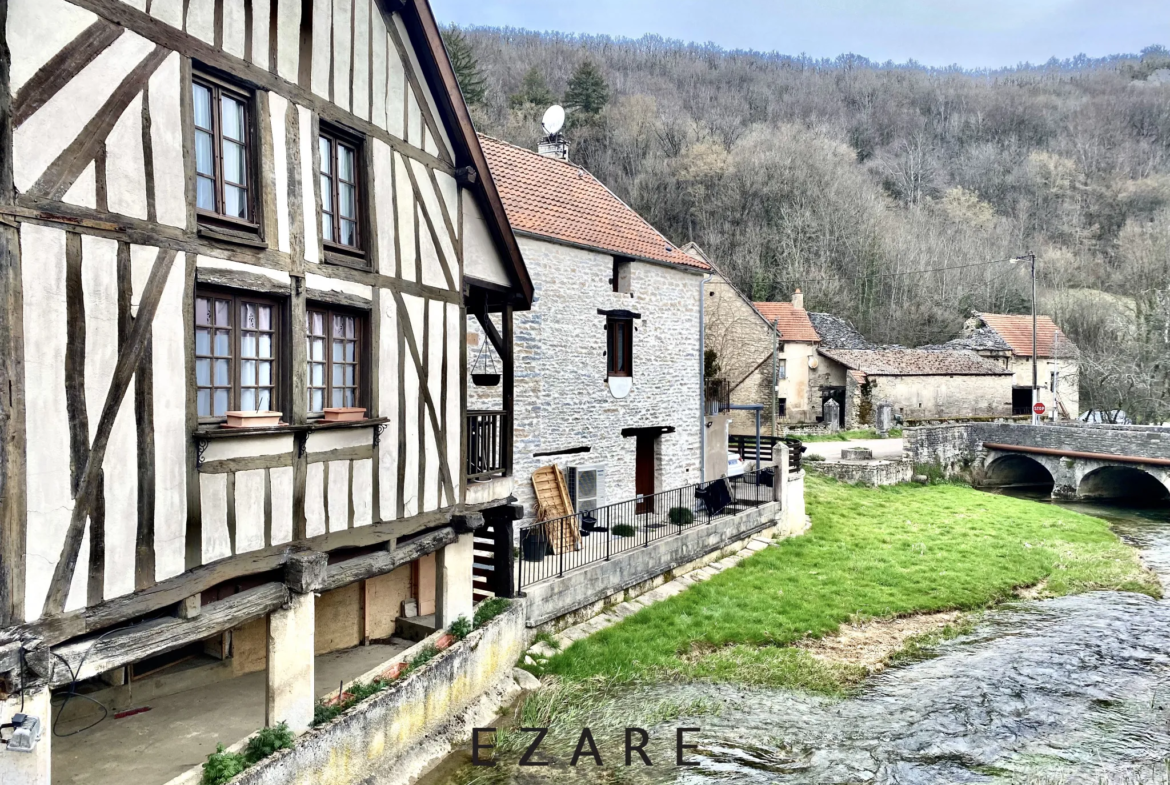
(1031, 259)
(775, 373)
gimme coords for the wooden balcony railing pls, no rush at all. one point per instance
(489, 435)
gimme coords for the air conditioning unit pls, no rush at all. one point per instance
(587, 487)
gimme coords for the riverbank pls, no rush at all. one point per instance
(871, 554)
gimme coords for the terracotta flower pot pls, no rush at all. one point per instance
(394, 671)
(252, 419)
(345, 414)
(444, 641)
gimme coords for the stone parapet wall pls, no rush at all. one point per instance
(395, 735)
(873, 473)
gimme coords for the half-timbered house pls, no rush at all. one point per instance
(214, 212)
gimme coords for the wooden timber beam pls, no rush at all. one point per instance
(56, 629)
(114, 649)
(382, 562)
(492, 333)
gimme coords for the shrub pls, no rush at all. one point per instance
(490, 609)
(460, 628)
(221, 766)
(681, 516)
(623, 530)
(422, 658)
(813, 457)
(268, 741)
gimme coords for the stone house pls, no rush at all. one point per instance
(274, 213)
(919, 384)
(761, 352)
(608, 361)
(1007, 339)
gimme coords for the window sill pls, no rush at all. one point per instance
(219, 432)
(228, 236)
(335, 254)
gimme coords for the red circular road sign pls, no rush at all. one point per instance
(1038, 408)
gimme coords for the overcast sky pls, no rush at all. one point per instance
(972, 33)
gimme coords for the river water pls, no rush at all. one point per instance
(1075, 689)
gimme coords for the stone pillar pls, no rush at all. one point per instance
(832, 415)
(28, 768)
(780, 480)
(291, 690)
(885, 418)
(453, 577)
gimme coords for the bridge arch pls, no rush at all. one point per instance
(1131, 484)
(1018, 471)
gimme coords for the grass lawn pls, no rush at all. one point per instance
(845, 436)
(870, 553)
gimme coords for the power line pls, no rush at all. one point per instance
(890, 275)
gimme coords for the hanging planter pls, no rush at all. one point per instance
(483, 370)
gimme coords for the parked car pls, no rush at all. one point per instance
(735, 465)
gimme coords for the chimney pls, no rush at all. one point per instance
(554, 147)
(798, 300)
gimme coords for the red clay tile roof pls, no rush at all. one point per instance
(1016, 331)
(794, 322)
(915, 362)
(554, 199)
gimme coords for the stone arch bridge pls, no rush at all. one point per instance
(1130, 463)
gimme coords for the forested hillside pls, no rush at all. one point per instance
(849, 179)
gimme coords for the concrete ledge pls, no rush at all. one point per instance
(555, 598)
(481, 492)
(395, 735)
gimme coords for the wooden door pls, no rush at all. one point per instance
(644, 474)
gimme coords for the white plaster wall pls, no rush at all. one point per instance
(125, 170)
(83, 192)
(281, 483)
(404, 199)
(170, 427)
(43, 137)
(388, 407)
(436, 319)
(384, 205)
(315, 500)
(201, 19)
(50, 501)
(326, 284)
(166, 129)
(260, 33)
(378, 48)
(454, 421)
(322, 33)
(361, 58)
(395, 92)
(561, 397)
(249, 510)
(288, 36)
(363, 492)
(427, 96)
(310, 184)
(213, 509)
(338, 495)
(233, 27)
(432, 272)
(37, 30)
(169, 11)
(341, 51)
(410, 394)
(278, 110)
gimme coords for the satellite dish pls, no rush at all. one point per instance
(554, 120)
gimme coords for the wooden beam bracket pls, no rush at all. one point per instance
(304, 571)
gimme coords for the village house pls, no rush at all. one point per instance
(239, 247)
(608, 362)
(789, 363)
(759, 355)
(1007, 339)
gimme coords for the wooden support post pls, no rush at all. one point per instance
(190, 607)
(290, 668)
(509, 389)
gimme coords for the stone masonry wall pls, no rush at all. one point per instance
(562, 400)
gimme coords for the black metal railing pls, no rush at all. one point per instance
(486, 446)
(717, 395)
(748, 449)
(549, 549)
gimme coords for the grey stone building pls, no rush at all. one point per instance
(608, 362)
